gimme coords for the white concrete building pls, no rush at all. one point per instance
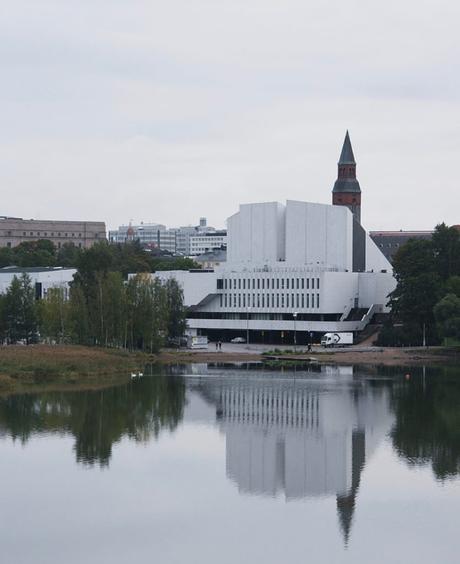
(306, 264)
(205, 242)
(293, 269)
(42, 278)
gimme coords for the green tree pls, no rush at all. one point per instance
(6, 257)
(78, 317)
(113, 306)
(453, 286)
(446, 251)
(447, 314)
(68, 255)
(19, 310)
(425, 270)
(147, 313)
(35, 253)
(54, 314)
(176, 310)
(3, 326)
(174, 263)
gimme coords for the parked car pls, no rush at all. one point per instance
(238, 340)
(176, 342)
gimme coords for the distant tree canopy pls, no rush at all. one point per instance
(426, 271)
(118, 257)
(29, 253)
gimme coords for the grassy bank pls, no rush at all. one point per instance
(25, 367)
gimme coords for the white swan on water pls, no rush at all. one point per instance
(138, 375)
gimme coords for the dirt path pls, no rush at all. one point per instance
(352, 355)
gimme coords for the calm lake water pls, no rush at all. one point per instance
(206, 464)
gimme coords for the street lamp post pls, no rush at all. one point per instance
(295, 334)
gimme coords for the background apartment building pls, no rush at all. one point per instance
(186, 240)
(206, 242)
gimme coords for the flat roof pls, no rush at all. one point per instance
(403, 233)
(26, 269)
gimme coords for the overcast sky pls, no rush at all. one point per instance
(169, 110)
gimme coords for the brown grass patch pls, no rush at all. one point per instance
(28, 366)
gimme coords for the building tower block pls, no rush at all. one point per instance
(346, 191)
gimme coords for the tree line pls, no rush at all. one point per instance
(425, 305)
(102, 308)
(124, 257)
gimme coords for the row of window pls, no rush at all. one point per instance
(301, 301)
(389, 245)
(9, 245)
(221, 238)
(268, 283)
(46, 234)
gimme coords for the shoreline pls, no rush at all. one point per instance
(390, 356)
(73, 367)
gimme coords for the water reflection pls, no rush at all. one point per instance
(295, 435)
(97, 418)
(301, 437)
(427, 428)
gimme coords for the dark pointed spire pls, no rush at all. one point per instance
(346, 503)
(346, 191)
(346, 156)
(345, 510)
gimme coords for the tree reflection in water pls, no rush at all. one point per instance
(97, 419)
(427, 427)
(426, 407)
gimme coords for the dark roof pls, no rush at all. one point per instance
(217, 255)
(401, 233)
(347, 185)
(27, 269)
(346, 156)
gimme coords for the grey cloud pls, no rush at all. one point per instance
(136, 105)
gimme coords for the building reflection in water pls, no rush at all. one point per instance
(301, 437)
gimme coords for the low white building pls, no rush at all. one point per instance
(295, 267)
(206, 242)
(42, 278)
